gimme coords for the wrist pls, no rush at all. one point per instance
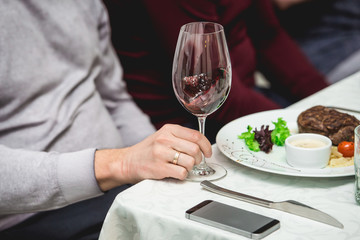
(110, 168)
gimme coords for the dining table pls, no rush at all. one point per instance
(155, 209)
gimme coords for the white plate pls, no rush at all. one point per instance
(275, 161)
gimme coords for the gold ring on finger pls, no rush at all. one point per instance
(176, 158)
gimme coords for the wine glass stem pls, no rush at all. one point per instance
(201, 121)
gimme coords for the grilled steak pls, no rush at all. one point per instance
(336, 125)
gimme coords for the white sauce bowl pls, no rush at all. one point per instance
(308, 150)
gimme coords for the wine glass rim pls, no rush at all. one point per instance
(221, 28)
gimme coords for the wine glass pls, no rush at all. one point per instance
(201, 78)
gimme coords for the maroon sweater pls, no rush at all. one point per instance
(145, 34)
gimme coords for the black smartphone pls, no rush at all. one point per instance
(236, 220)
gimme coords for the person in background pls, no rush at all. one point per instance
(71, 137)
(256, 41)
(328, 32)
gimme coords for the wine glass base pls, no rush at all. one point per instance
(211, 173)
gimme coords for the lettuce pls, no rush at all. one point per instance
(280, 133)
(249, 138)
(265, 138)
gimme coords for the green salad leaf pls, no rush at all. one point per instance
(249, 138)
(259, 140)
(280, 133)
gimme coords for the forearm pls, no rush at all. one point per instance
(32, 181)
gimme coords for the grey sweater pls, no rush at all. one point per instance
(61, 97)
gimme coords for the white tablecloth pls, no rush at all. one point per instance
(156, 209)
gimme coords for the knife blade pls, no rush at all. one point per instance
(289, 206)
(344, 109)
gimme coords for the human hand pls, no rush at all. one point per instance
(152, 158)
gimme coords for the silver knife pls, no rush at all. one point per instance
(344, 109)
(289, 206)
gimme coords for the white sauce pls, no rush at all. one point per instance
(308, 143)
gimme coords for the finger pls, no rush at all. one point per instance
(176, 171)
(180, 158)
(183, 160)
(180, 144)
(191, 151)
(193, 136)
(175, 151)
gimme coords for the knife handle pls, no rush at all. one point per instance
(239, 196)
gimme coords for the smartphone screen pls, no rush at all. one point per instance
(236, 220)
